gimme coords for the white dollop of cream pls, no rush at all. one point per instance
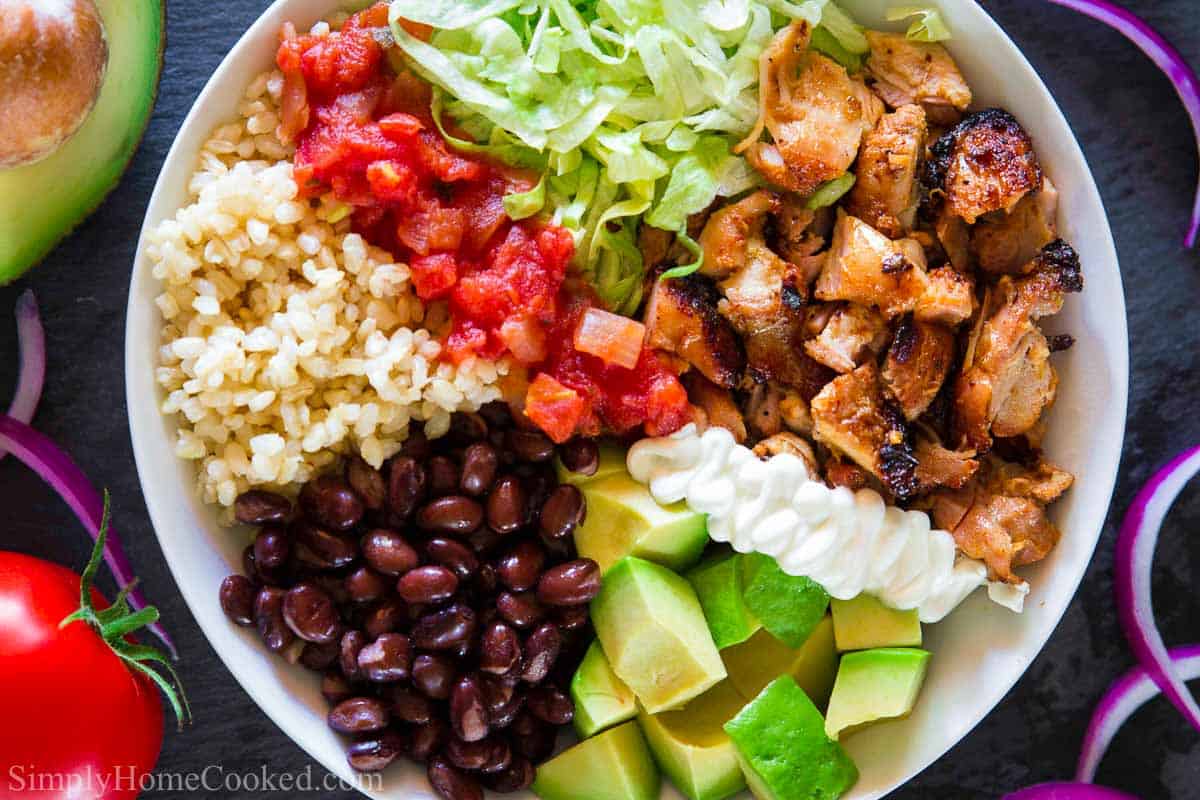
(849, 542)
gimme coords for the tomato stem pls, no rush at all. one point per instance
(119, 620)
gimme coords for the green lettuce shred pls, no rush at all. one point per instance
(927, 27)
(831, 191)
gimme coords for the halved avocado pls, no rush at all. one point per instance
(40, 203)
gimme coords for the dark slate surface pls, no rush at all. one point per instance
(1139, 145)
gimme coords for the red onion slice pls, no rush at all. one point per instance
(1068, 791)
(1127, 694)
(32, 371)
(1132, 563)
(1165, 57)
(57, 469)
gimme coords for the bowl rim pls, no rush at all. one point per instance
(144, 415)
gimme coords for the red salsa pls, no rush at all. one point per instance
(366, 134)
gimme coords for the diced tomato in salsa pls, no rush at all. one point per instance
(367, 134)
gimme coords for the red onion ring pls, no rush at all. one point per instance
(56, 468)
(1067, 791)
(1127, 694)
(1165, 57)
(32, 371)
(1132, 563)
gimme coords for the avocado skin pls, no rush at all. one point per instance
(42, 203)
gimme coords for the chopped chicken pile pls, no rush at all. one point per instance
(894, 339)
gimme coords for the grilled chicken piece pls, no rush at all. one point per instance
(729, 231)
(794, 411)
(851, 476)
(1007, 381)
(949, 298)
(1004, 532)
(865, 267)
(954, 236)
(795, 238)
(1008, 243)
(815, 112)
(917, 363)
(850, 418)
(906, 72)
(985, 163)
(682, 318)
(654, 244)
(717, 403)
(852, 333)
(762, 409)
(791, 444)
(886, 194)
(938, 466)
(1042, 482)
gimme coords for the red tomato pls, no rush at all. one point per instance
(70, 706)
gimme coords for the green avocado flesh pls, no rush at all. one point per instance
(763, 658)
(653, 632)
(874, 685)
(864, 623)
(718, 584)
(693, 749)
(624, 519)
(788, 606)
(601, 698)
(42, 202)
(612, 462)
(784, 752)
(612, 766)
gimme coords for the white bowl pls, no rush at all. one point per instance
(979, 652)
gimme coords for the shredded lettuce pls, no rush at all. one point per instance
(629, 107)
(521, 205)
(824, 42)
(927, 27)
(831, 191)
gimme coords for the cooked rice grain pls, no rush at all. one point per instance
(288, 340)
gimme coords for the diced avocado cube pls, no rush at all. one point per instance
(615, 765)
(718, 584)
(612, 462)
(601, 698)
(782, 747)
(864, 623)
(763, 658)
(874, 685)
(653, 632)
(788, 606)
(692, 748)
(624, 519)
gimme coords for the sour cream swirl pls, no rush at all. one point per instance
(849, 542)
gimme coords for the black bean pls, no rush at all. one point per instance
(358, 715)
(319, 657)
(580, 455)
(446, 629)
(388, 553)
(331, 550)
(268, 616)
(516, 777)
(410, 706)
(571, 618)
(376, 753)
(431, 584)
(427, 739)
(237, 599)
(351, 644)
(537, 745)
(367, 482)
(485, 541)
(564, 511)
(499, 649)
(258, 507)
(309, 611)
(453, 555)
(520, 566)
(416, 446)
(490, 754)
(452, 784)
(506, 505)
(443, 476)
(496, 414)
(485, 582)
(550, 704)
(385, 617)
(571, 584)
(530, 445)
(542, 648)
(271, 547)
(335, 688)
(433, 675)
(521, 609)
(407, 485)
(468, 714)
(454, 515)
(330, 502)
(504, 700)
(480, 462)
(386, 659)
(365, 585)
(466, 428)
